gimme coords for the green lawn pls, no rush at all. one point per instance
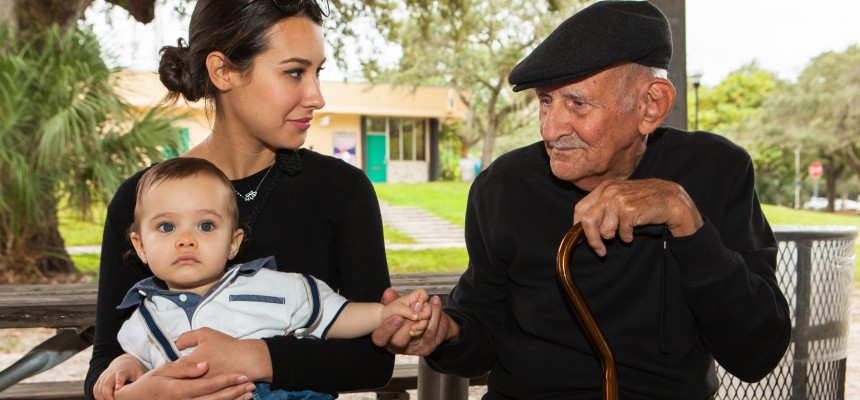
(778, 215)
(448, 201)
(78, 232)
(428, 260)
(87, 264)
(394, 236)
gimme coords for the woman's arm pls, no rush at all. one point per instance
(362, 275)
(115, 279)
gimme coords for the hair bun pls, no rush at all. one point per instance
(174, 74)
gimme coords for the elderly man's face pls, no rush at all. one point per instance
(588, 134)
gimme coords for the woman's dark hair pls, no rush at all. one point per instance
(237, 28)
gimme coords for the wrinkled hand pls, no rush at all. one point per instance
(184, 380)
(125, 368)
(225, 354)
(620, 205)
(394, 334)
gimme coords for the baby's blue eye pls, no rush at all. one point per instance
(206, 226)
(165, 227)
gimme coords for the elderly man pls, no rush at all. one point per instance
(702, 287)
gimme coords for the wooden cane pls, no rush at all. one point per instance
(583, 314)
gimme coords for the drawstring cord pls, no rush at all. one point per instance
(662, 342)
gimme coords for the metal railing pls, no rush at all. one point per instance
(815, 270)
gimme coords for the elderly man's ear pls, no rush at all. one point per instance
(658, 104)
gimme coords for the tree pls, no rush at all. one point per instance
(735, 99)
(29, 17)
(727, 108)
(65, 136)
(470, 46)
(821, 114)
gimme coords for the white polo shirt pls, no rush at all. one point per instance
(251, 301)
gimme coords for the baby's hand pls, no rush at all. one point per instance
(416, 328)
(423, 310)
(411, 306)
(417, 296)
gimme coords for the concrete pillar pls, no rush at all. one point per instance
(675, 11)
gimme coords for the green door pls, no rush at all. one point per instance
(376, 158)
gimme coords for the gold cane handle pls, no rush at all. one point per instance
(583, 314)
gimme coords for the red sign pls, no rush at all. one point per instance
(815, 170)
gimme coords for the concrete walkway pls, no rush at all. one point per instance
(428, 230)
(90, 249)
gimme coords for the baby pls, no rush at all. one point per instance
(186, 230)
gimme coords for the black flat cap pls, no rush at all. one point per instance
(601, 35)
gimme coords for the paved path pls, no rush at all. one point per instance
(90, 249)
(428, 230)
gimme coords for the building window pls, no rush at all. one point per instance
(407, 126)
(407, 141)
(394, 137)
(375, 125)
(420, 140)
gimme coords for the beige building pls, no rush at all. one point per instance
(390, 132)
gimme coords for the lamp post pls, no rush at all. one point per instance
(797, 177)
(697, 81)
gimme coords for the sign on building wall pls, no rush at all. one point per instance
(344, 147)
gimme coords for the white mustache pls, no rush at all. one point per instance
(567, 143)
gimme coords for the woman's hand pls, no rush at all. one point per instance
(184, 380)
(125, 368)
(225, 354)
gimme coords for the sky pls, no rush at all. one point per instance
(722, 35)
(782, 35)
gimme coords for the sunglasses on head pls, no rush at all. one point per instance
(292, 7)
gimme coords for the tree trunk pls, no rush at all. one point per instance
(830, 169)
(489, 147)
(7, 11)
(851, 159)
(49, 244)
(35, 16)
(38, 257)
(143, 11)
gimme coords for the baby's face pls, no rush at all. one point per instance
(185, 233)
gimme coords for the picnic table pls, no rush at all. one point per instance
(71, 309)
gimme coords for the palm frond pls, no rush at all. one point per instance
(65, 134)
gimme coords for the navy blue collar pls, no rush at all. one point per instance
(152, 286)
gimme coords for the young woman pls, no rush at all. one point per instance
(256, 62)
